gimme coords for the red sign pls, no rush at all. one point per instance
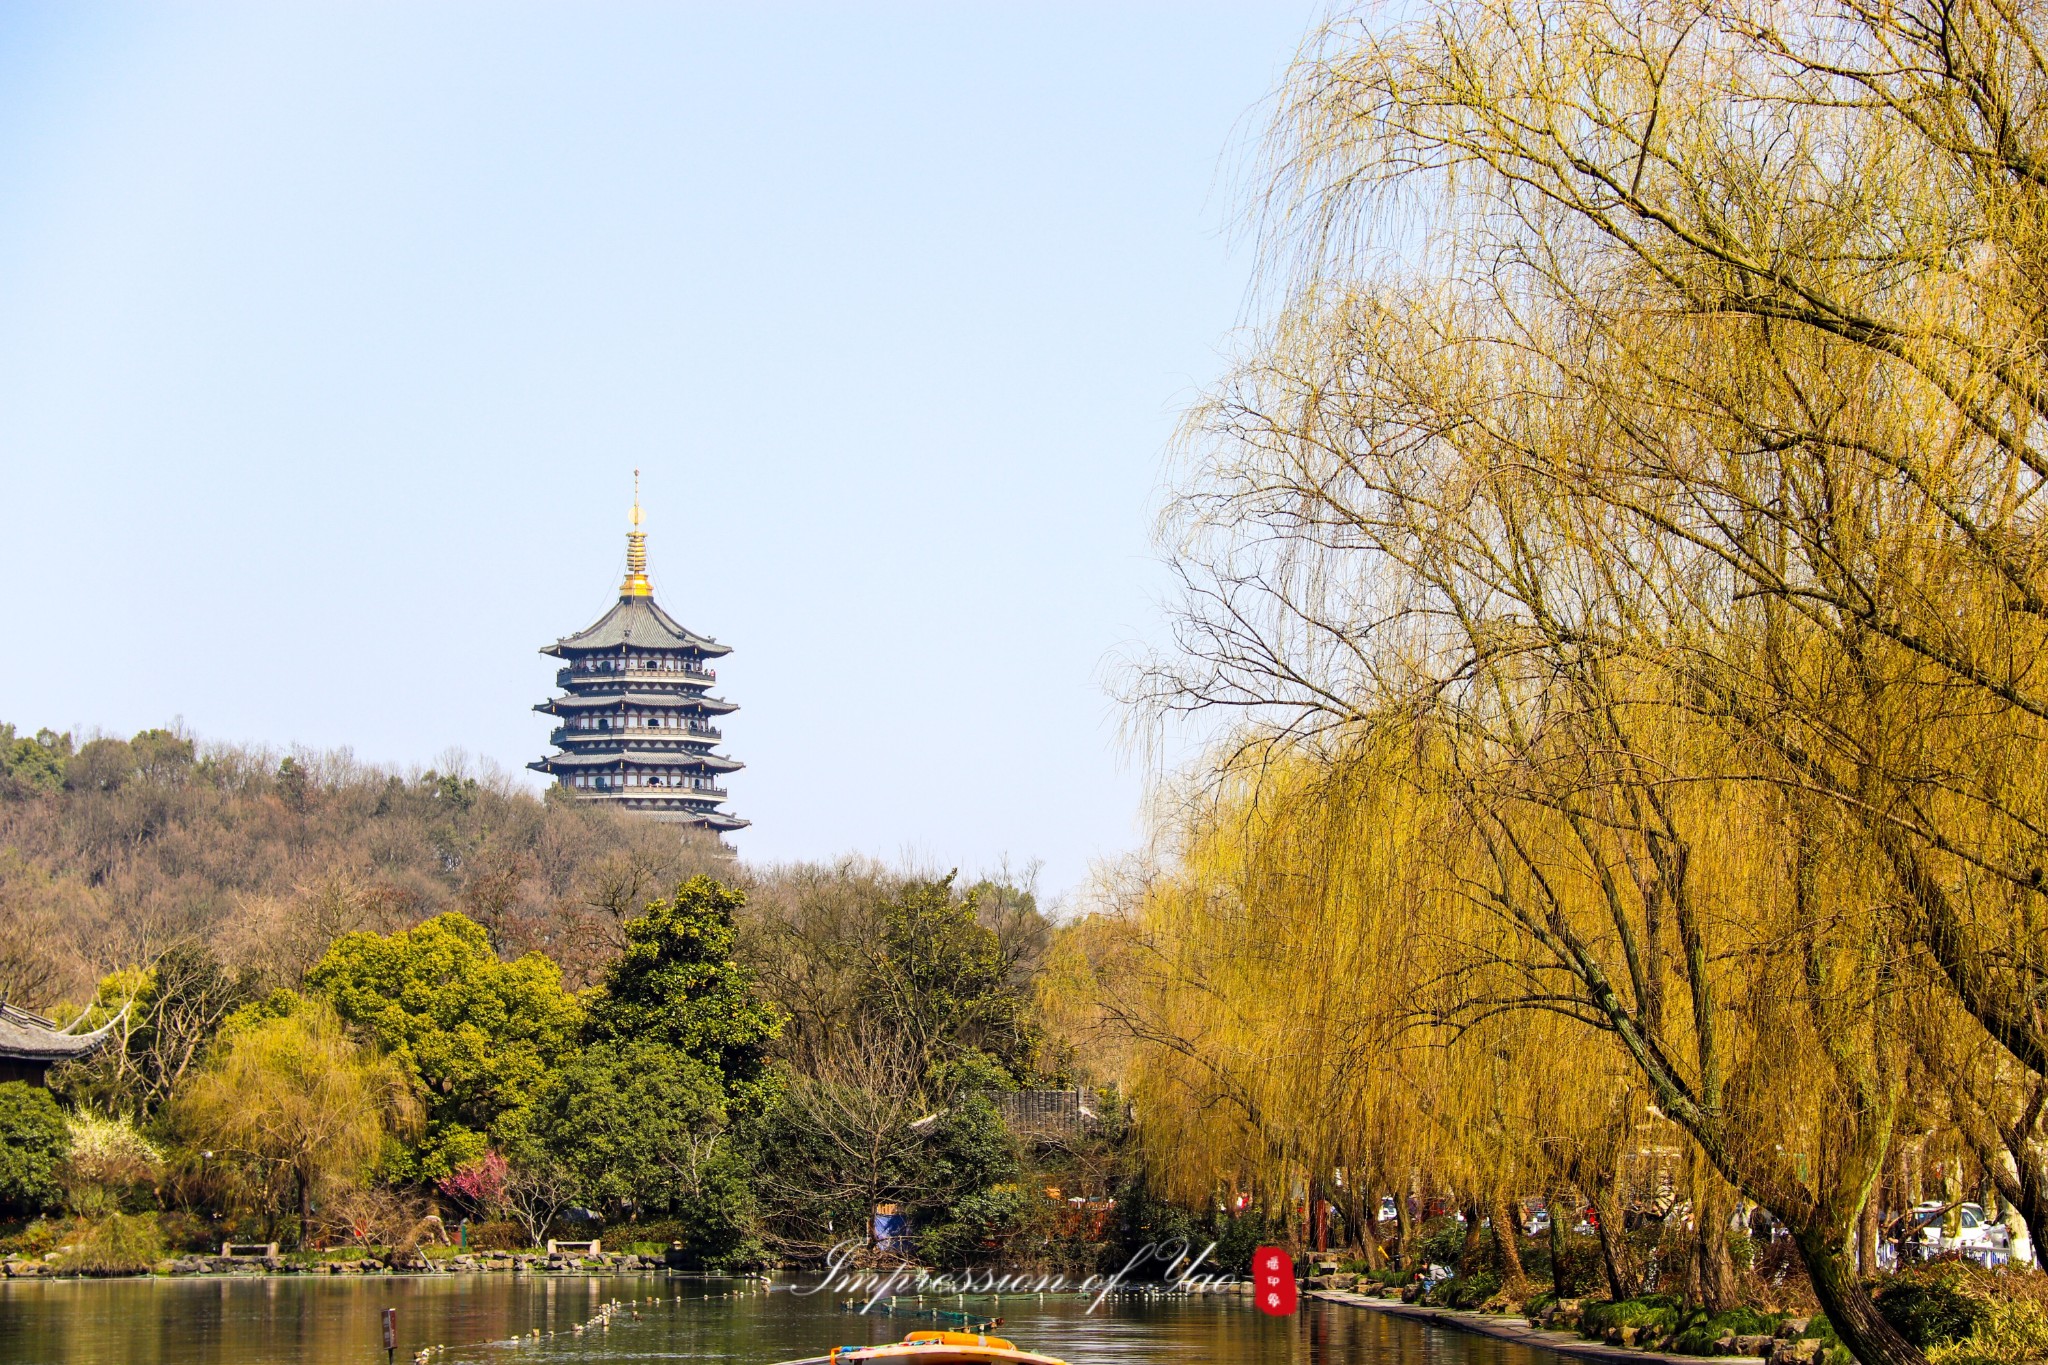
(1273, 1281)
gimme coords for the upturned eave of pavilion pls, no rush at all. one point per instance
(29, 1037)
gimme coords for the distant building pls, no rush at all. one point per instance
(636, 724)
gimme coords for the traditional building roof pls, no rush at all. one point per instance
(723, 823)
(584, 701)
(636, 621)
(27, 1037)
(655, 758)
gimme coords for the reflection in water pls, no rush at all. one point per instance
(261, 1321)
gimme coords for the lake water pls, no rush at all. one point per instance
(335, 1321)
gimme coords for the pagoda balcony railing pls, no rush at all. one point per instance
(566, 735)
(680, 673)
(650, 793)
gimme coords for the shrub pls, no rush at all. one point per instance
(33, 1141)
(1442, 1241)
(1650, 1315)
(2008, 1332)
(118, 1244)
(39, 1235)
(497, 1235)
(662, 1230)
(1929, 1307)
(183, 1231)
(1698, 1331)
(1467, 1291)
(108, 1165)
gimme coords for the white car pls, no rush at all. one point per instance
(1973, 1230)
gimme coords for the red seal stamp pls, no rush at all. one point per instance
(1273, 1281)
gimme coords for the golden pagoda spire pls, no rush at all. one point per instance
(636, 584)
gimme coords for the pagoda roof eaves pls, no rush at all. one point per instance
(587, 758)
(580, 700)
(635, 621)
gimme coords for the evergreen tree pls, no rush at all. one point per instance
(944, 982)
(677, 984)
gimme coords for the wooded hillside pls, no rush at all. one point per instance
(112, 850)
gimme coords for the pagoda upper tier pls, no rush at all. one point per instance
(636, 723)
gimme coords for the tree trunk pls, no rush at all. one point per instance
(1404, 1225)
(1712, 1208)
(1855, 1318)
(1507, 1249)
(1866, 1237)
(1471, 1256)
(1613, 1256)
(1560, 1209)
(305, 1209)
(1369, 1235)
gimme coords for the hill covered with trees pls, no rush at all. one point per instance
(349, 1001)
(112, 851)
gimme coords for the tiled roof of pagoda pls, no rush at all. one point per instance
(584, 758)
(723, 823)
(637, 621)
(31, 1038)
(582, 701)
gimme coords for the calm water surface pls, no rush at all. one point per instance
(259, 1321)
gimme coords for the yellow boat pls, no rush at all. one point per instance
(933, 1348)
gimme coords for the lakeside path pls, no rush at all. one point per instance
(1521, 1331)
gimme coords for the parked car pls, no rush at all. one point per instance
(1973, 1228)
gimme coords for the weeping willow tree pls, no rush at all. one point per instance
(1289, 1021)
(1645, 449)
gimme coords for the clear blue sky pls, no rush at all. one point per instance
(331, 334)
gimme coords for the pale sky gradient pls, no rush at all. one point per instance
(331, 335)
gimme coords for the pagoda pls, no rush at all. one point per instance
(636, 722)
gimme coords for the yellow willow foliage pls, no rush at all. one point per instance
(1276, 998)
(1627, 543)
(1758, 287)
(298, 1104)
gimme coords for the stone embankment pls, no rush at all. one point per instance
(474, 1262)
(1784, 1349)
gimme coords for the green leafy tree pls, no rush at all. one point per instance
(642, 1126)
(161, 755)
(677, 984)
(35, 764)
(972, 1171)
(479, 1034)
(33, 1142)
(947, 984)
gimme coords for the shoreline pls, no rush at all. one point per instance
(1518, 1330)
(471, 1263)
